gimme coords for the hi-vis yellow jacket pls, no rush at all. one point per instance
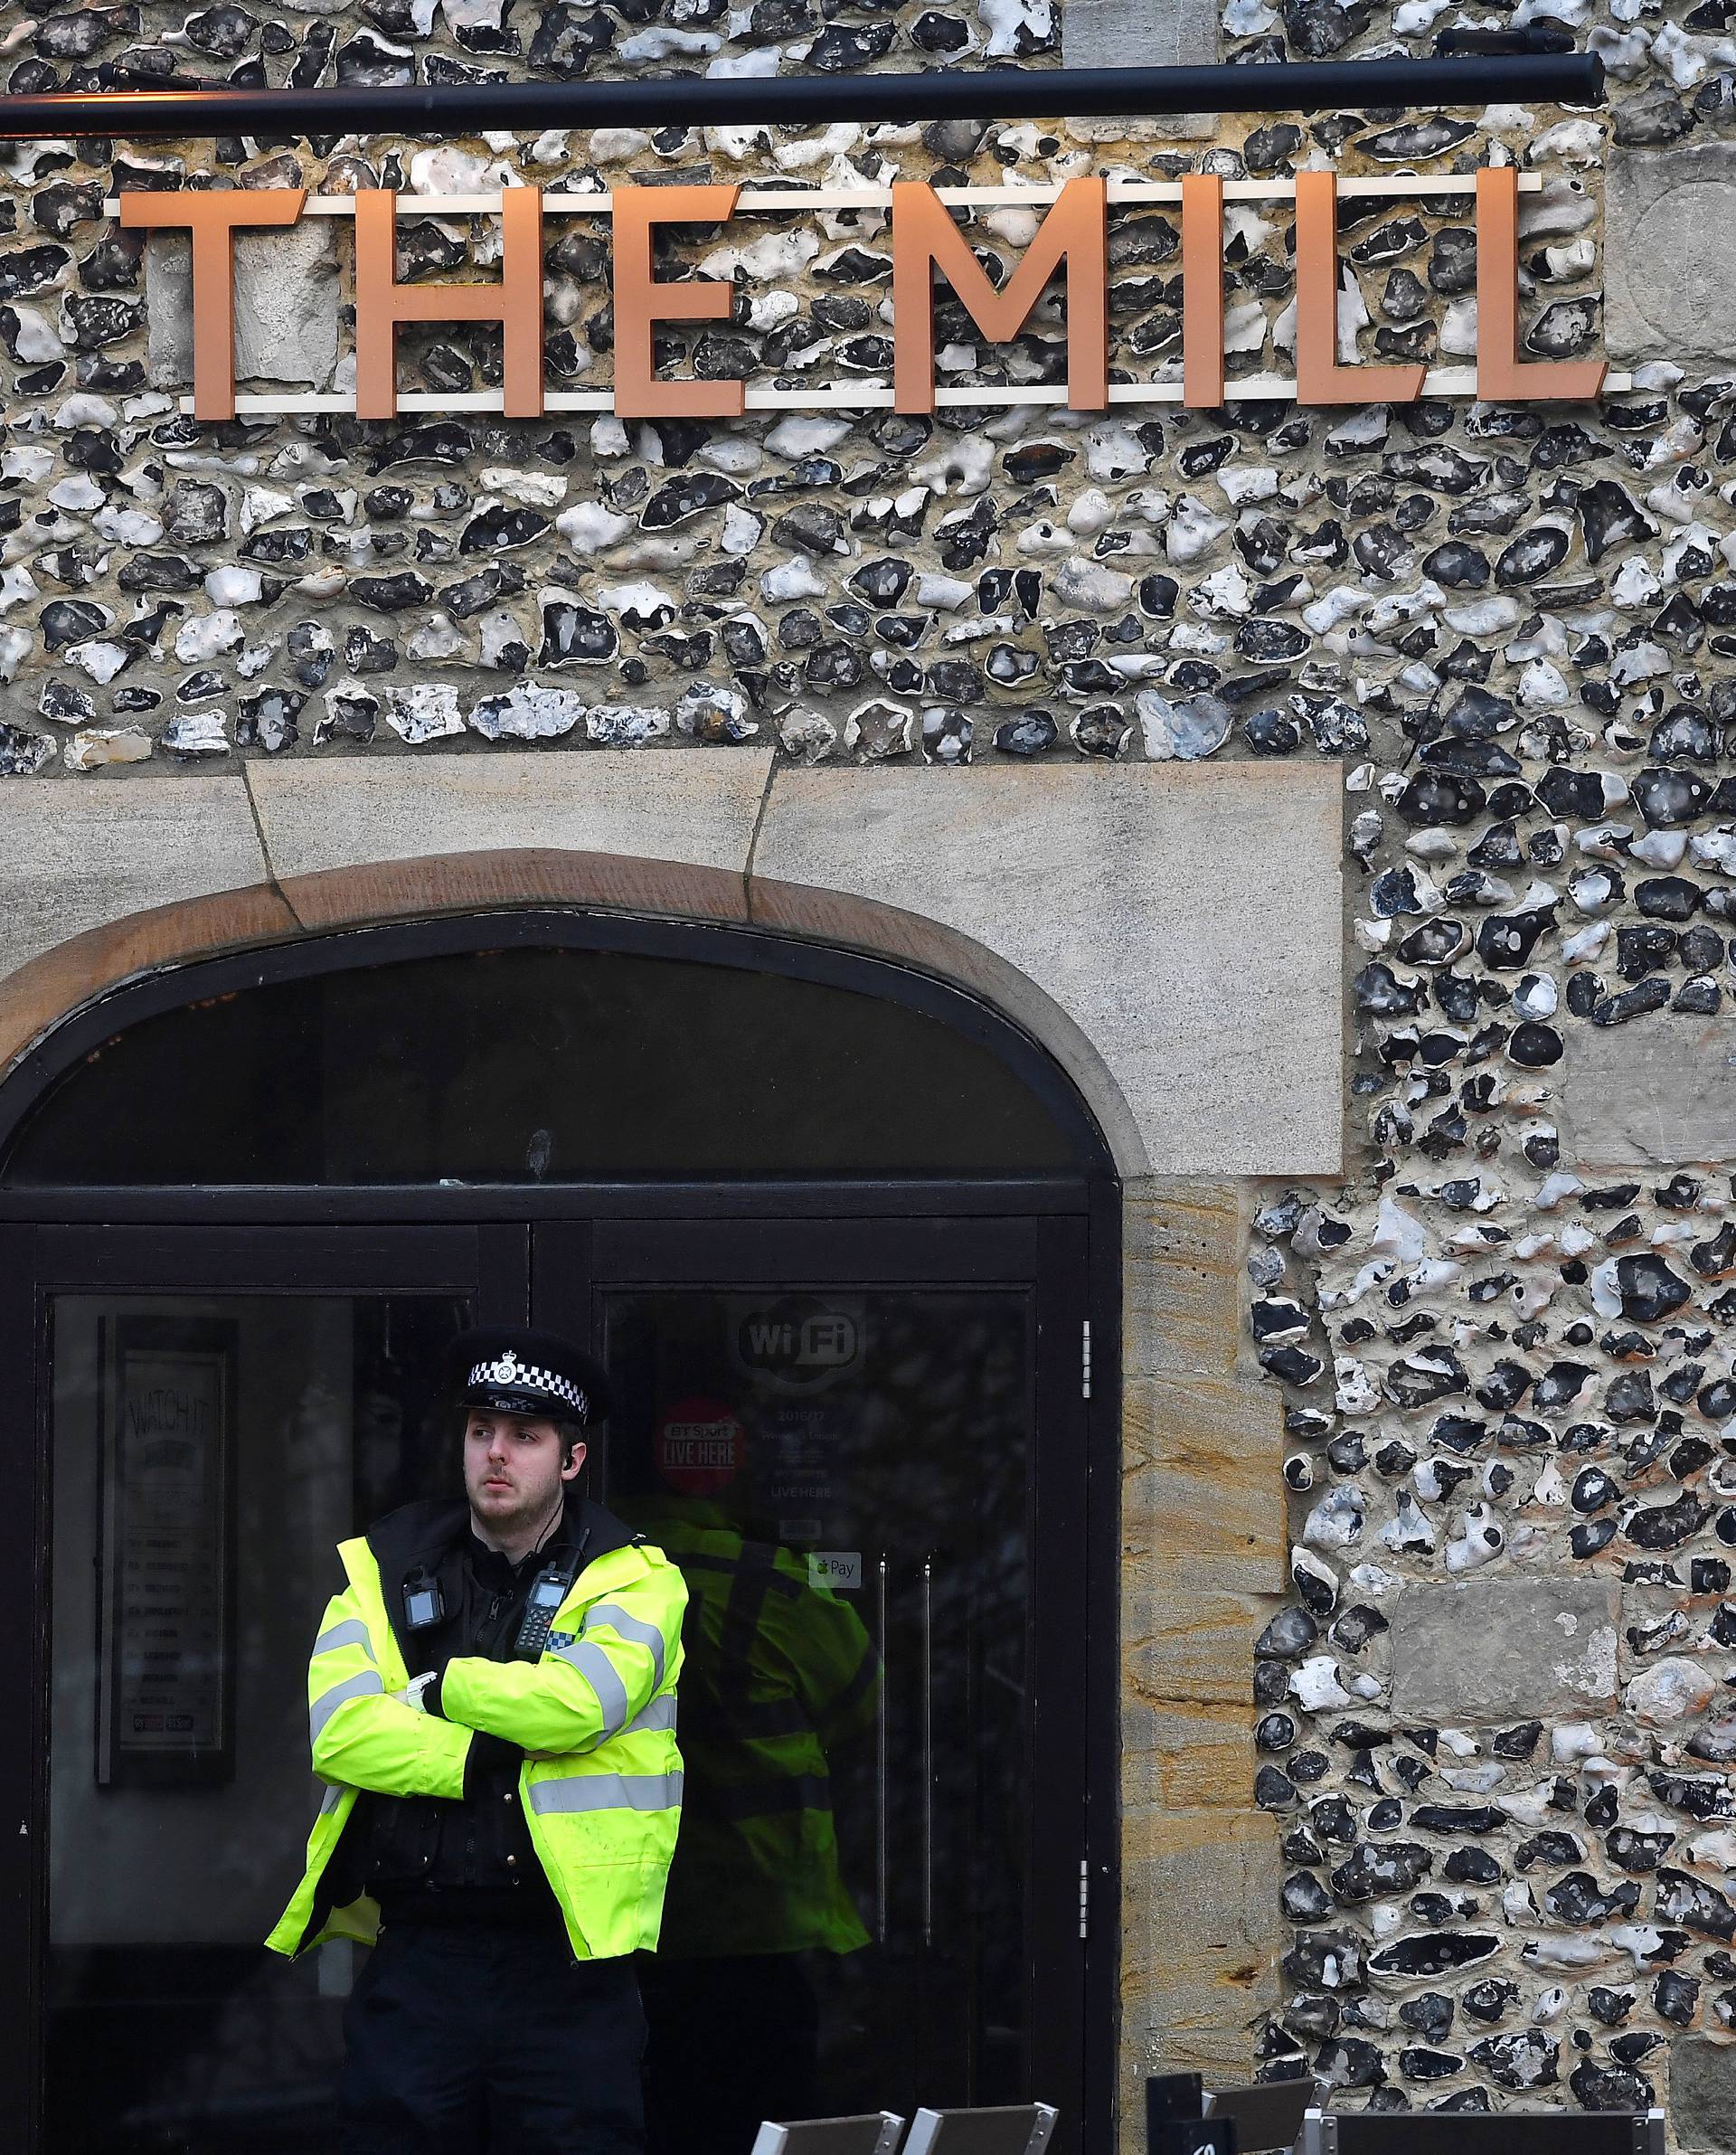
(781, 1677)
(595, 1715)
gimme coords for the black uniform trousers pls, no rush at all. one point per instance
(490, 2040)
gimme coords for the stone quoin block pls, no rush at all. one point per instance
(1495, 1650)
(286, 301)
(1669, 255)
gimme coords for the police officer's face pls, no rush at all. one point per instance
(513, 1467)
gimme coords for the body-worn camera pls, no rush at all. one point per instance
(424, 1603)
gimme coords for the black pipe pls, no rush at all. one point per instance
(805, 100)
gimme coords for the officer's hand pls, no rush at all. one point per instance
(414, 1693)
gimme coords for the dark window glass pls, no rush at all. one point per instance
(536, 1065)
(208, 1451)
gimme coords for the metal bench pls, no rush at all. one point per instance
(1267, 2114)
(1020, 2129)
(1482, 2132)
(874, 2133)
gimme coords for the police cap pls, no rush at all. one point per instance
(512, 1370)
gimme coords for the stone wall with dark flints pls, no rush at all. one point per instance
(1495, 1730)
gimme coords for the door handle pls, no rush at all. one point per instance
(927, 1750)
(883, 1774)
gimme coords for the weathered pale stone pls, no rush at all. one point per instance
(1210, 1518)
(1495, 1650)
(1212, 1008)
(686, 811)
(1199, 1960)
(1176, 1418)
(1182, 1250)
(1703, 2094)
(1180, 1752)
(1649, 1096)
(1669, 254)
(1195, 1647)
(1145, 33)
(286, 305)
(78, 856)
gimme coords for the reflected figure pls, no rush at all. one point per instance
(778, 1674)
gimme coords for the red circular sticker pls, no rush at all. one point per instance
(700, 1447)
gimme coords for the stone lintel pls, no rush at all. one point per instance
(90, 854)
(1200, 1035)
(1215, 998)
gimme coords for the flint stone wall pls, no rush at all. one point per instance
(1496, 1356)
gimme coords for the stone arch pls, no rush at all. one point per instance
(73, 974)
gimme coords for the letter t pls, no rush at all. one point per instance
(213, 218)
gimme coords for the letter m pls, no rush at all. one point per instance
(1075, 233)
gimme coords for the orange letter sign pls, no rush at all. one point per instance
(1501, 374)
(1319, 378)
(214, 219)
(381, 302)
(925, 238)
(641, 302)
(1201, 290)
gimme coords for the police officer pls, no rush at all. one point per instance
(492, 1706)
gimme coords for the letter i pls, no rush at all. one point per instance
(1201, 290)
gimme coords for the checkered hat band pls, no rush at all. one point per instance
(526, 1376)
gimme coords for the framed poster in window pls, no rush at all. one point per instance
(165, 1702)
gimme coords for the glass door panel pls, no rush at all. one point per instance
(853, 1439)
(846, 1479)
(208, 1452)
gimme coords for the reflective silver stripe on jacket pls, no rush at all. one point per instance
(659, 1714)
(351, 1631)
(607, 1791)
(634, 1628)
(593, 1664)
(364, 1686)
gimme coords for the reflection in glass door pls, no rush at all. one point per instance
(858, 1915)
(208, 1453)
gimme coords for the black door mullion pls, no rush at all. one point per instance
(24, 1697)
(503, 1274)
(562, 1267)
(1060, 1723)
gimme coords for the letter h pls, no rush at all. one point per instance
(381, 302)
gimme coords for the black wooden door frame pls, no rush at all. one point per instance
(1060, 1236)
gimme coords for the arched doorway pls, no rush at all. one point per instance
(843, 1233)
